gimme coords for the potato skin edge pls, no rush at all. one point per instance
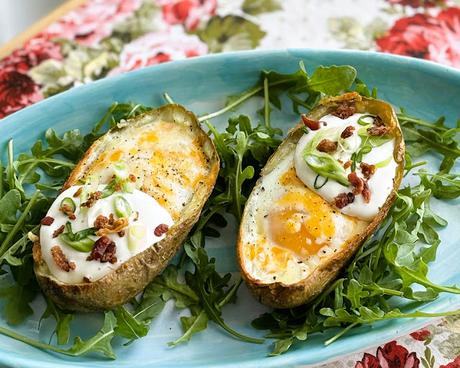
(279, 295)
(122, 284)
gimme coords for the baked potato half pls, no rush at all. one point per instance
(140, 188)
(320, 196)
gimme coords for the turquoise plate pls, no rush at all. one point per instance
(202, 84)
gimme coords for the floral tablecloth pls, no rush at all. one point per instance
(107, 37)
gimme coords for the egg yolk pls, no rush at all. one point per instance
(301, 222)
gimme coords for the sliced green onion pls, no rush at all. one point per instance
(122, 207)
(361, 119)
(82, 245)
(383, 163)
(120, 170)
(319, 186)
(136, 233)
(69, 203)
(80, 240)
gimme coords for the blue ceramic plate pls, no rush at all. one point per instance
(426, 89)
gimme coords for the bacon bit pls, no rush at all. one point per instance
(100, 222)
(61, 260)
(47, 221)
(78, 192)
(366, 193)
(367, 170)
(326, 145)
(132, 178)
(92, 198)
(378, 121)
(58, 231)
(347, 164)
(347, 132)
(67, 210)
(344, 111)
(357, 182)
(85, 279)
(161, 229)
(344, 199)
(378, 130)
(136, 216)
(109, 226)
(310, 123)
(103, 250)
(121, 233)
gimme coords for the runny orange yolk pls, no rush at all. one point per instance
(301, 222)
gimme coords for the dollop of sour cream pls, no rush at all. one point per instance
(380, 183)
(139, 235)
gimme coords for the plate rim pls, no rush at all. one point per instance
(294, 357)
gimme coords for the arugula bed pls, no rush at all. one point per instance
(391, 267)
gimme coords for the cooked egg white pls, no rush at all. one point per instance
(380, 184)
(290, 228)
(139, 234)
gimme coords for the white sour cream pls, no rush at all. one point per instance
(380, 184)
(139, 234)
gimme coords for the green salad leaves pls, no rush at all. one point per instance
(387, 279)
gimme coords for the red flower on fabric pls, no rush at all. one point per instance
(421, 335)
(159, 47)
(187, 12)
(17, 90)
(93, 21)
(369, 361)
(435, 38)
(454, 364)
(32, 53)
(418, 3)
(391, 355)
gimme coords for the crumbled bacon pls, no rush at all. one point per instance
(100, 222)
(344, 199)
(47, 221)
(61, 260)
(360, 186)
(67, 210)
(344, 111)
(366, 193)
(347, 164)
(104, 250)
(92, 198)
(367, 170)
(86, 279)
(161, 229)
(121, 233)
(378, 130)
(109, 225)
(78, 192)
(58, 231)
(357, 182)
(132, 178)
(326, 145)
(310, 123)
(347, 132)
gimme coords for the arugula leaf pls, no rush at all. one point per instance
(128, 326)
(100, 342)
(422, 136)
(196, 322)
(62, 319)
(332, 80)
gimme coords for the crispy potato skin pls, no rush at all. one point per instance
(279, 295)
(122, 284)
